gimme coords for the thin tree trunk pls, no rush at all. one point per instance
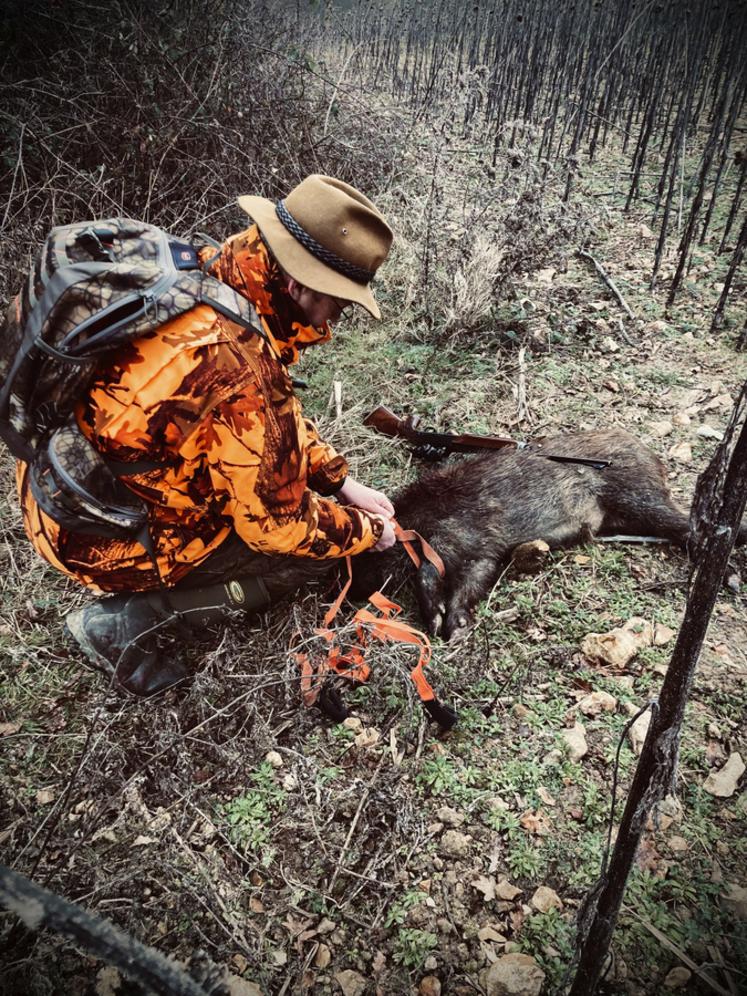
(717, 512)
(736, 259)
(684, 248)
(735, 202)
(737, 104)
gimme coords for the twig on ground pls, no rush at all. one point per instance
(447, 908)
(522, 409)
(677, 950)
(607, 280)
(231, 926)
(56, 813)
(310, 810)
(315, 891)
(354, 824)
(623, 334)
(718, 960)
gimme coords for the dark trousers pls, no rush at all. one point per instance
(281, 574)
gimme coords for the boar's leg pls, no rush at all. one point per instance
(430, 588)
(652, 512)
(370, 571)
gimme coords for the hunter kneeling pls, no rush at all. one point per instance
(197, 423)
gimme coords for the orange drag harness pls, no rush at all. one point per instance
(369, 626)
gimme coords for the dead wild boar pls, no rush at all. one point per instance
(475, 511)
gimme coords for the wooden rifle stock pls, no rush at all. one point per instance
(389, 424)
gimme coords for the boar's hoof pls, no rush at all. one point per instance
(457, 625)
(530, 558)
(433, 616)
(436, 621)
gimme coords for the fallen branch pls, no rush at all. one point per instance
(668, 943)
(39, 907)
(623, 334)
(607, 280)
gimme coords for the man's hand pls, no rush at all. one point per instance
(387, 537)
(376, 502)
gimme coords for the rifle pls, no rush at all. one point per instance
(389, 424)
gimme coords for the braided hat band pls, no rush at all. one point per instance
(326, 256)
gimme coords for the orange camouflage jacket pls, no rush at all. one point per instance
(215, 403)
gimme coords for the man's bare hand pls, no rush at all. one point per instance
(387, 537)
(376, 502)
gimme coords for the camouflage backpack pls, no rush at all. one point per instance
(94, 286)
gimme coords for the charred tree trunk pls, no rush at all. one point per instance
(736, 259)
(684, 248)
(737, 105)
(742, 160)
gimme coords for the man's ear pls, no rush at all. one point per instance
(295, 289)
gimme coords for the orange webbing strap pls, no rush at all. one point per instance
(312, 678)
(386, 627)
(335, 606)
(407, 536)
(352, 664)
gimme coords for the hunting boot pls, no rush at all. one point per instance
(119, 634)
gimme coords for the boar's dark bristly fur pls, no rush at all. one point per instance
(475, 511)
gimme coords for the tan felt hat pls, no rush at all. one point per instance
(327, 236)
